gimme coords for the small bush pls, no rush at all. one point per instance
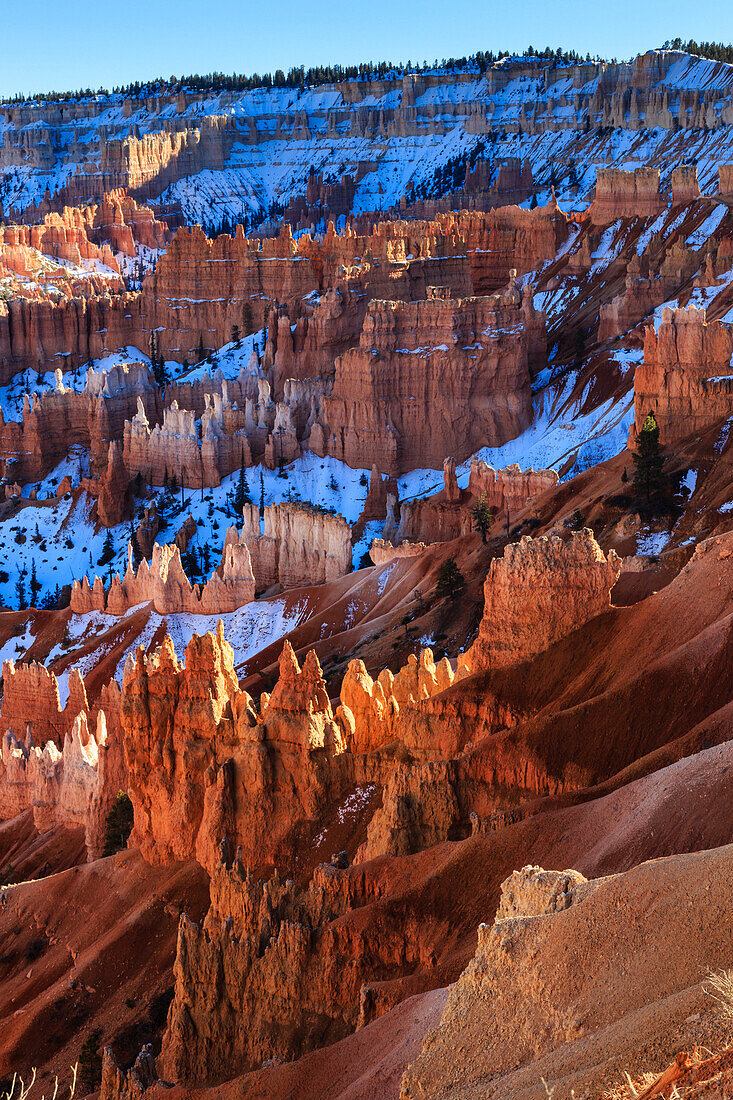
(120, 820)
(450, 579)
(90, 1064)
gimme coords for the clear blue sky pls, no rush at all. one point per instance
(66, 44)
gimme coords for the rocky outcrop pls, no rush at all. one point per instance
(725, 180)
(533, 892)
(163, 582)
(74, 786)
(686, 378)
(112, 489)
(400, 398)
(376, 704)
(510, 488)
(621, 194)
(174, 448)
(205, 766)
(449, 514)
(375, 505)
(301, 544)
(494, 1009)
(95, 418)
(539, 591)
(291, 967)
(31, 704)
(382, 551)
(649, 282)
(486, 186)
(685, 186)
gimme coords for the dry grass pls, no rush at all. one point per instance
(719, 987)
(19, 1090)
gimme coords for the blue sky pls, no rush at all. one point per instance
(66, 44)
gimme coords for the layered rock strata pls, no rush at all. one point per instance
(65, 764)
(686, 378)
(539, 591)
(221, 770)
(301, 544)
(449, 514)
(465, 384)
(163, 582)
(93, 418)
(621, 194)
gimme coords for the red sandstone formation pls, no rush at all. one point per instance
(375, 704)
(79, 236)
(112, 487)
(685, 187)
(220, 769)
(494, 1011)
(725, 179)
(649, 282)
(201, 289)
(538, 592)
(399, 398)
(31, 706)
(382, 551)
(685, 378)
(301, 544)
(164, 583)
(74, 787)
(94, 418)
(51, 762)
(622, 194)
(449, 514)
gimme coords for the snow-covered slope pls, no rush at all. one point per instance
(261, 145)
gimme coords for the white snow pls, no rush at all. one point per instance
(651, 542)
(690, 480)
(703, 232)
(627, 359)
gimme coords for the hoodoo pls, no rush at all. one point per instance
(366, 566)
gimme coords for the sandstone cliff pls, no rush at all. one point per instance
(622, 194)
(76, 785)
(163, 583)
(685, 378)
(539, 591)
(301, 544)
(403, 406)
(219, 769)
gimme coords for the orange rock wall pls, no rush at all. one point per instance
(686, 378)
(621, 194)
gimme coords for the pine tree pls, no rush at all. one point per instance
(236, 338)
(450, 579)
(241, 495)
(262, 494)
(118, 825)
(20, 592)
(201, 352)
(108, 549)
(90, 1064)
(35, 587)
(648, 462)
(482, 516)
